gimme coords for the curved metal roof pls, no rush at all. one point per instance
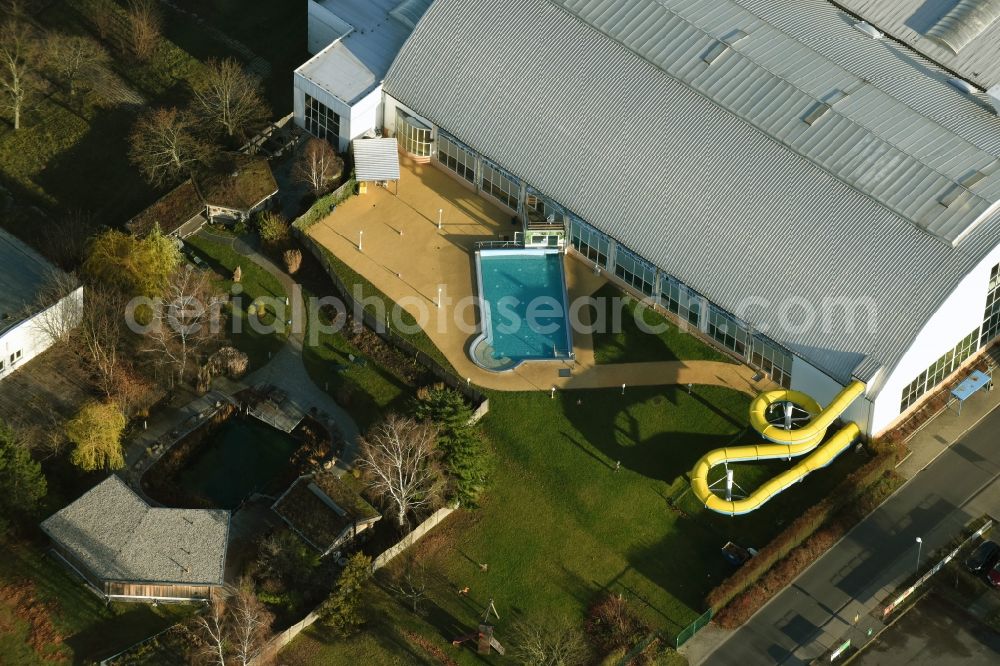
(804, 163)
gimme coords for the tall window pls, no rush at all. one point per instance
(772, 359)
(590, 242)
(414, 134)
(636, 272)
(727, 331)
(321, 121)
(680, 300)
(991, 318)
(500, 186)
(939, 369)
(456, 157)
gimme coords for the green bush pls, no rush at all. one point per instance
(272, 229)
(798, 531)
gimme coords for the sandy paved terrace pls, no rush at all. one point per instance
(405, 255)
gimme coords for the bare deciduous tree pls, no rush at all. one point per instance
(229, 99)
(101, 332)
(19, 56)
(74, 57)
(399, 458)
(250, 625)
(55, 316)
(164, 145)
(185, 321)
(212, 626)
(144, 23)
(318, 166)
(411, 586)
(553, 643)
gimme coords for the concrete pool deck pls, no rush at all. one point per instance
(407, 257)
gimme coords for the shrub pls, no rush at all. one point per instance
(612, 625)
(799, 530)
(272, 229)
(293, 261)
(749, 601)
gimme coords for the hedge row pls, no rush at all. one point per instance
(800, 529)
(748, 602)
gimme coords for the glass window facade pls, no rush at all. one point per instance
(321, 121)
(939, 369)
(680, 300)
(413, 134)
(991, 318)
(500, 186)
(727, 330)
(772, 359)
(639, 274)
(590, 242)
(456, 157)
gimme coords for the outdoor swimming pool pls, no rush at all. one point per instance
(522, 297)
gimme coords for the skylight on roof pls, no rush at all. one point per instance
(714, 52)
(817, 111)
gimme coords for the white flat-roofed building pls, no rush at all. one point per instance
(29, 326)
(338, 92)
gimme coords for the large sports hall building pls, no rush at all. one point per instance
(813, 187)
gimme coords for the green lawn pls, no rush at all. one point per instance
(560, 526)
(628, 343)
(88, 629)
(256, 283)
(419, 339)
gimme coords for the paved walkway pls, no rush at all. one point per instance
(409, 257)
(286, 369)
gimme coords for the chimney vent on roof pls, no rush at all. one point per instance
(869, 29)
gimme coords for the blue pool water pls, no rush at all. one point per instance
(524, 294)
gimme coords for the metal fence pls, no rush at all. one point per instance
(687, 632)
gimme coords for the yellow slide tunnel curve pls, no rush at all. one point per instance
(784, 444)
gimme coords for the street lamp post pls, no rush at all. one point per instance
(920, 544)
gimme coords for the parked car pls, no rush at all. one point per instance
(983, 557)
(993, 577)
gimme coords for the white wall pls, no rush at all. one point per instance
(29, 339)
(823, 389)
(955, 319)
(323, 27)
(365, 114)
(303, 87)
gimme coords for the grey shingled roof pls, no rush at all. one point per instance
(710, 169)
(918, 22)
(119, 537)
(23, 272)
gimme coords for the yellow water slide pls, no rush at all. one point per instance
(771, 414)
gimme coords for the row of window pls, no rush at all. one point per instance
(14, 358)
(634, 271)
(940, 369)
(457, 158)
(321, 121)
(683, 302)
(991, 318)
(500, 186)
(414, 134)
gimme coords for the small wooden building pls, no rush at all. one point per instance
(129, 551)
(326, 511)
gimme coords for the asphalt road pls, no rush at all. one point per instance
(817, 608)
(933, 633)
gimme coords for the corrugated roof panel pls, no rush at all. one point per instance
(725, 172)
